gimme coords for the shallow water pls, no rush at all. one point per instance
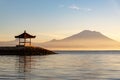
(68, 65)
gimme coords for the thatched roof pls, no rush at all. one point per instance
(25, 35)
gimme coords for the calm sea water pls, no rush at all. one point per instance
(68, 65)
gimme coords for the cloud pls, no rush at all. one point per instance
(86, 9)
(74, 7)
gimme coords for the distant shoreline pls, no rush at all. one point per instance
(86, 50)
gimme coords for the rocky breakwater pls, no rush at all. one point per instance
(25, 51)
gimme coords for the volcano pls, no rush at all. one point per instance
(85, 40)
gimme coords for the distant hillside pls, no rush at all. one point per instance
(87, 34)
(9, 43)
(84, 40)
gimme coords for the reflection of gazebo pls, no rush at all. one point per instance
(24, 36)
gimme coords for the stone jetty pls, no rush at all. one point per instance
(25, 51)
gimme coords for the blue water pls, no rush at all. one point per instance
(67, 65)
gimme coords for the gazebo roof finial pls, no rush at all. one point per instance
(24, 31)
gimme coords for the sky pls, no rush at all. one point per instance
(57, 19)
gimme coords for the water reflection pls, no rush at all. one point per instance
(88, 66)
(24, 67)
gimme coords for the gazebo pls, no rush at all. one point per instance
(23, 39)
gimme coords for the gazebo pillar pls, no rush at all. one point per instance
(30, 41)
(19, 41)
(24, 41)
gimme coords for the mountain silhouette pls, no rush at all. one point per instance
(87, 34)
(84, 40)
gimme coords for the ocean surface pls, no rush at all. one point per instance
(67, 65)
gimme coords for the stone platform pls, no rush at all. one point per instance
(25, 51)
